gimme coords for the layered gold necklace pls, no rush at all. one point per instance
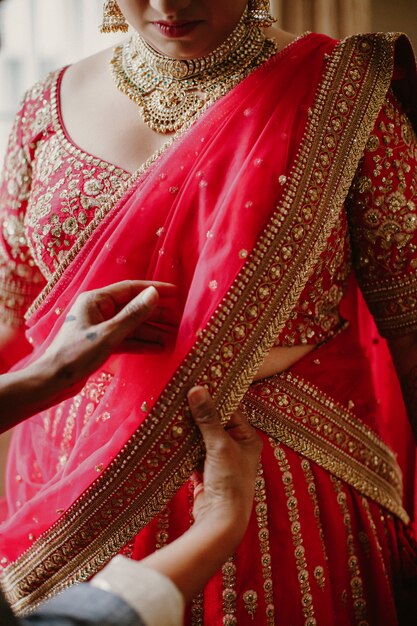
(170, 92)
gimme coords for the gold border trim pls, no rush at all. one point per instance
(122, 500)
(298, 414)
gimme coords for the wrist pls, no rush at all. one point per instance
(29, 390)
(192, 559)
(223, 517)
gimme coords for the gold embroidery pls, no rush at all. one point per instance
(128, 549)
(21, 281)
(261, 510)
(317, 317)
(81, 407)
(311, 487)
(319, 576)
(197, 603)
(162, 534)
(250, 601)
(58, 213)
(298, 414)
(197, 610)
(229, 593)
(383, 221)
(299, 550)
(18, 289)
(375, 534)
(80, 542)
(356, 583)
(67, 434)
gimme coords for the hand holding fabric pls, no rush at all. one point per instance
(128, 316)
(223, 499)
(225, 490)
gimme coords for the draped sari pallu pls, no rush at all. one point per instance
(98, 468)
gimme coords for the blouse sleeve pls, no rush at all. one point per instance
(20, 279)
(382, 213)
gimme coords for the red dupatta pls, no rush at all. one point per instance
(235, 212)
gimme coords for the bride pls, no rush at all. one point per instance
(265, 176)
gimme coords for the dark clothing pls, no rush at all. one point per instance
(82, 605)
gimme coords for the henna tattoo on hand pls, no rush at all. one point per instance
(91, 336)
(409, 388)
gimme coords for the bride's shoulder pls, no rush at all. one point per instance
(87, 71)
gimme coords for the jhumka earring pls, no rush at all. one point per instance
(113, 18)
(259, 14)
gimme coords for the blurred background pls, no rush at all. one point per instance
(40, 35)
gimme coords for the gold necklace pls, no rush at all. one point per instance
(170, 92)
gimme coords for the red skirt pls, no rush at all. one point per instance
(328, 541)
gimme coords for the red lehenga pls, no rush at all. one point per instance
(247, 212)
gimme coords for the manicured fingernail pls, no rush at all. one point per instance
(149, 296)
(197, 395)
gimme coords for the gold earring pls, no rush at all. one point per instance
(113, 18)
(259, 14)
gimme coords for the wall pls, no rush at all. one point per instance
(342, 17)
(337, 18)
(400, 15)
(38, 36)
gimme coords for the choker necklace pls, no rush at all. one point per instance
(171, 92)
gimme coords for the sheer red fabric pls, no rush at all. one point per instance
(188, 193)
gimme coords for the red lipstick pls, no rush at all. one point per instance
(177, 29)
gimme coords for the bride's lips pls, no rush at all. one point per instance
(176, 29)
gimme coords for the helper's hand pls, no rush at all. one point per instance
(123, 317)
(130, 316)
(223, 500)
(225, 490)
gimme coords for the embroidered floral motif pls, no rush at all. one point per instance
(317, 316)
(297, 535)
(58, 213)
(261, 510)
(382, 209)
(311, 487)
(229, 593)
(49, 193)
(356, 582)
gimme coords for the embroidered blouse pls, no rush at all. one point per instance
(51, 189)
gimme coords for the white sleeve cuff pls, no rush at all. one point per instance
(151, 594)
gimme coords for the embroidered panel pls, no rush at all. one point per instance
(261, 510)
(382, 210)
(356, 581)
(303, 573)
(49, 193)
(300, 415)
